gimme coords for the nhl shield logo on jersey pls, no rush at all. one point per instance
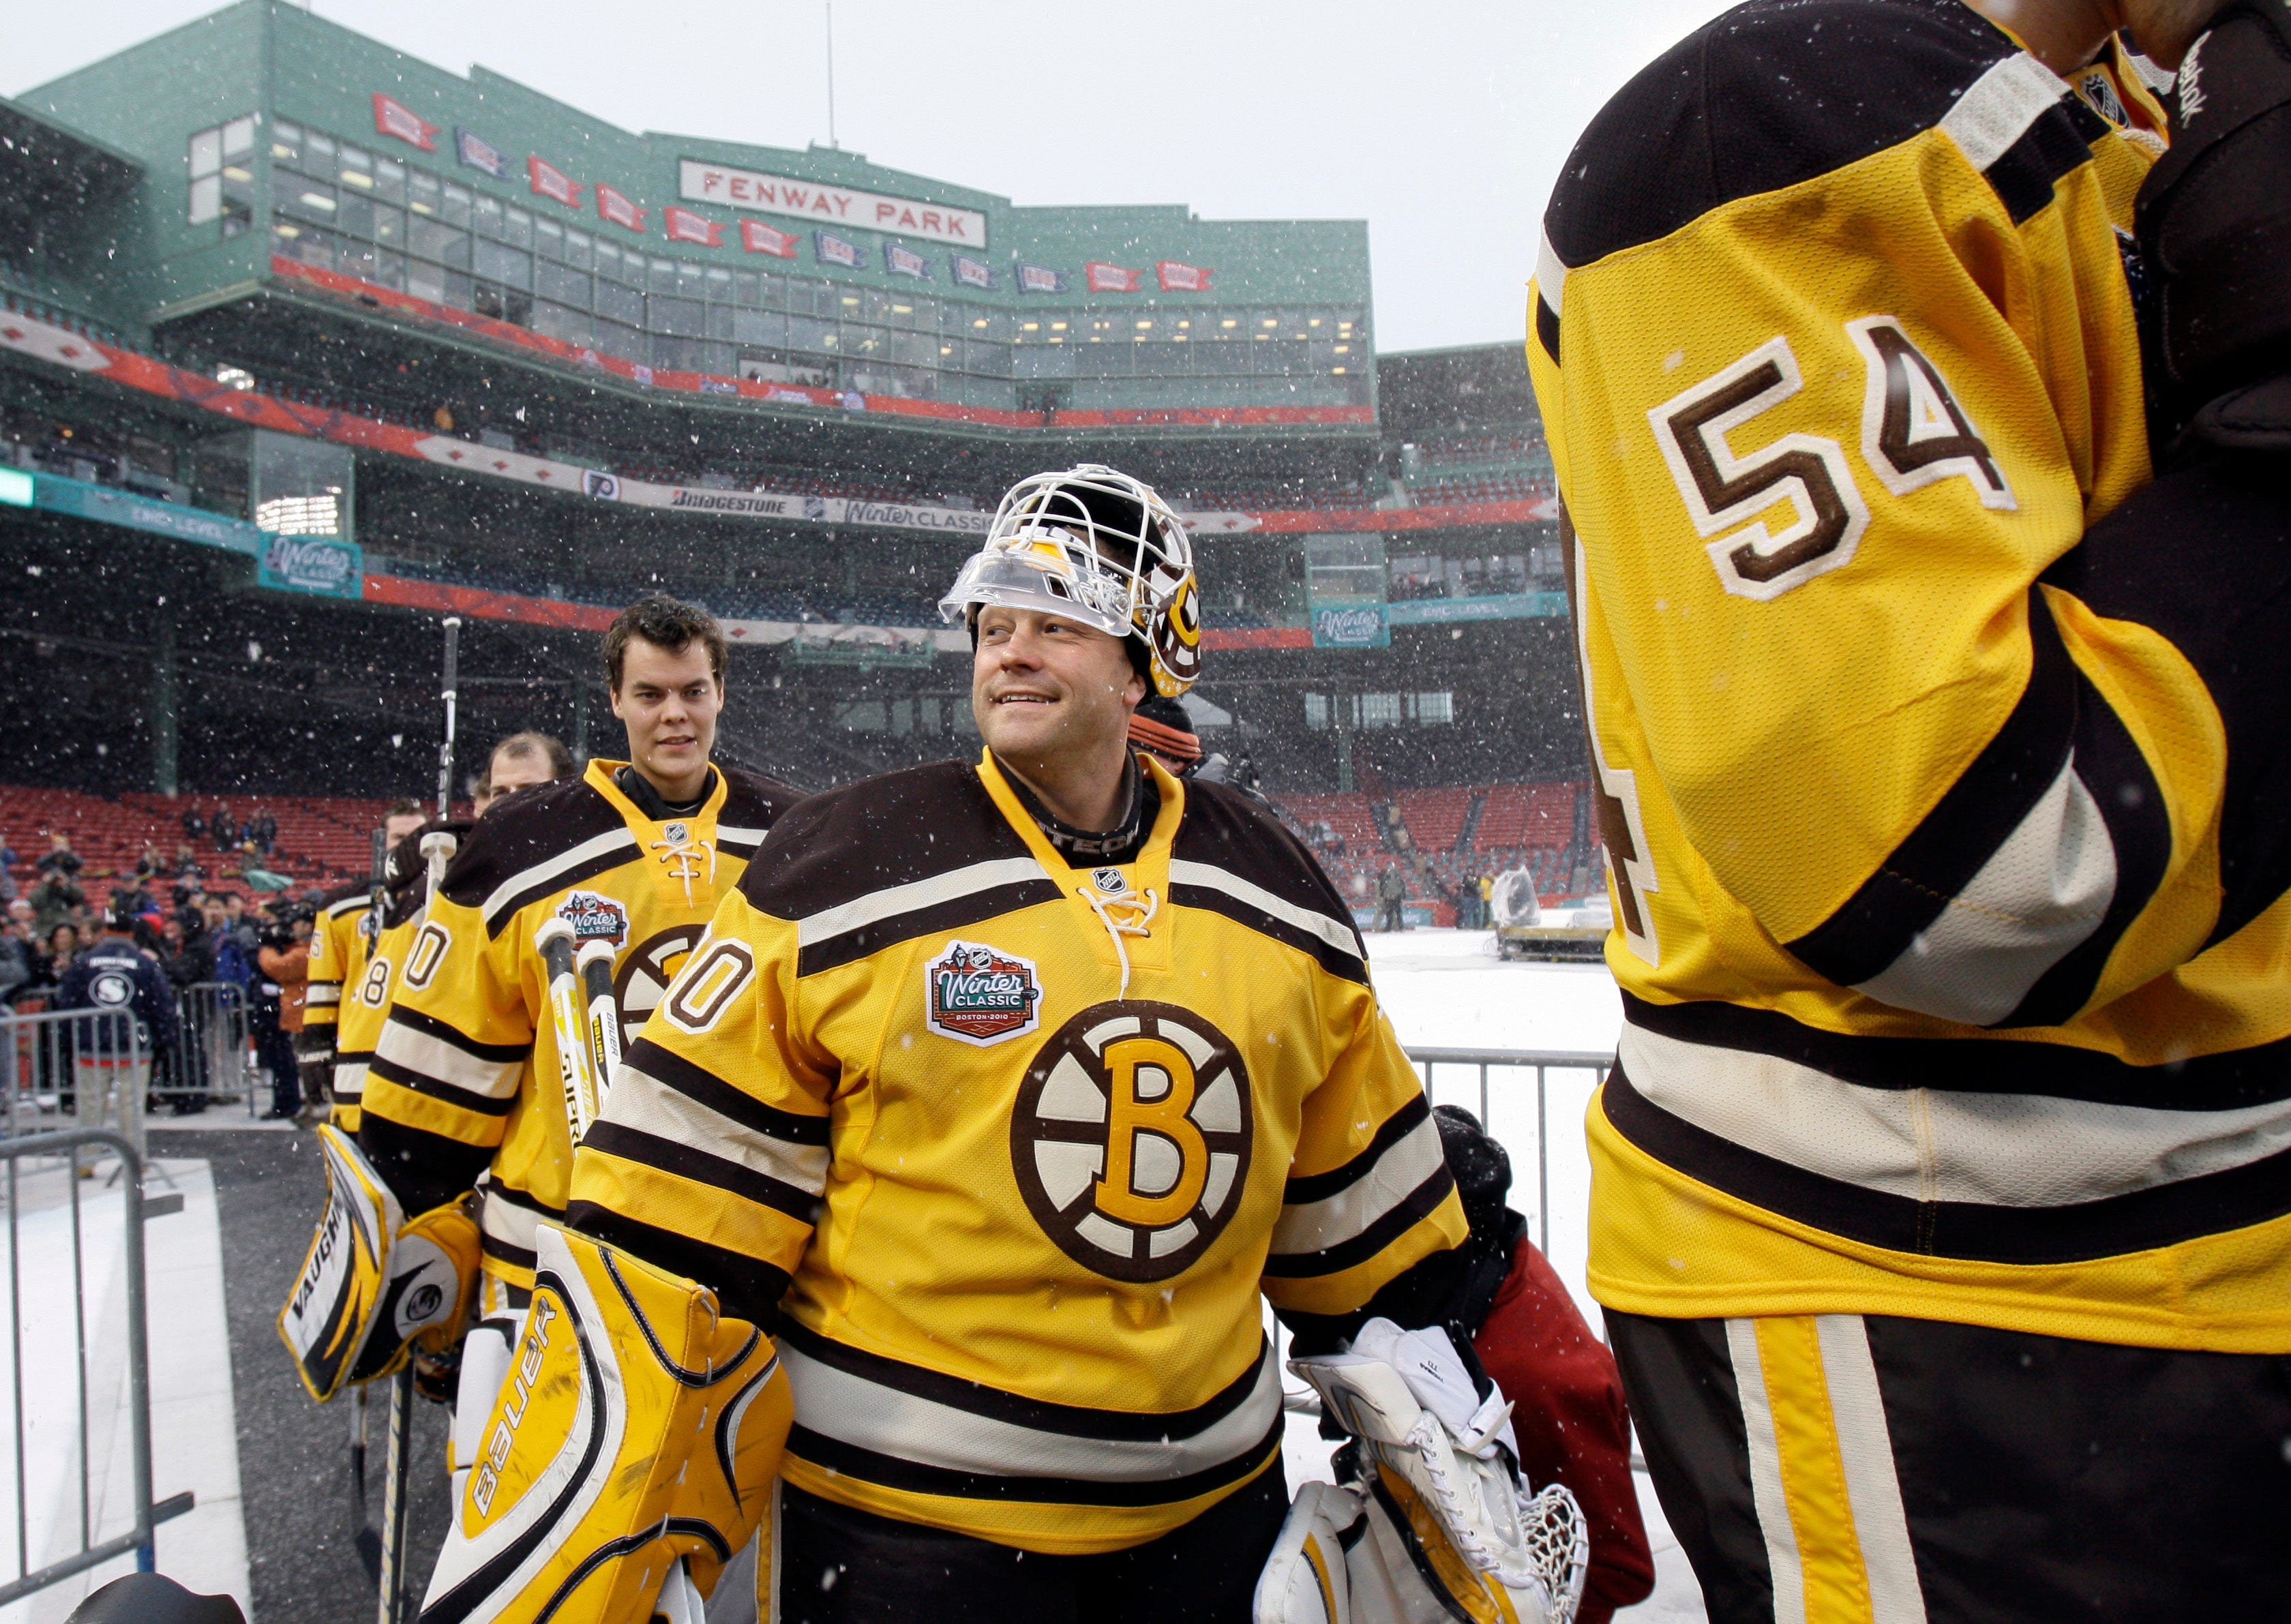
(594, 918)
(980, 995)
(1131, 1139)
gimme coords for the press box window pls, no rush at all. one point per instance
(298, 486)
(1355, 712)
(222, 175)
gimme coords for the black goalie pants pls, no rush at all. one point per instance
(1842, 1468)
(835, 1565)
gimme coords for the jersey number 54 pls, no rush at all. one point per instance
(1913, 433)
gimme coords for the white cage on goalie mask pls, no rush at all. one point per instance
(1094, 544)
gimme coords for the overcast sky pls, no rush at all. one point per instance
(1441, 123)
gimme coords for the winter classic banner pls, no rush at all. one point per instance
(841, 205)
(602, 487)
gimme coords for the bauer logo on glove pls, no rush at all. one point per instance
(373, 1280)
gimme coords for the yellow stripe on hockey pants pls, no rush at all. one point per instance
(1822, 1471)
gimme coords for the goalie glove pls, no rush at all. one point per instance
(1439, 1489)
(375, 1281)
(635, 1427)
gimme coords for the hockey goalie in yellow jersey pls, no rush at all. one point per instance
(464, 1150)
(1942, 1204)
(1002, 1094)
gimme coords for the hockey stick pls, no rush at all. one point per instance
(604, 1011)
(438, 849)
(391, 1575)
(575, 1060)
(368, 1541)
(445, 750)
(586, 1014)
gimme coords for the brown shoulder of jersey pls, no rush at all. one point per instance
(539, 840)
(1239, 860)
(347, 898)
(753, 803)
(1774, 92)
(894, 857)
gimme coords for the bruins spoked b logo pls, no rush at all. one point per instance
(1131, 1139)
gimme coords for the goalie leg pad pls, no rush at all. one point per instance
(635, 1425)
(1305, 1580)
(373, 1280)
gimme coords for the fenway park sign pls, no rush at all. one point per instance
(836, 205)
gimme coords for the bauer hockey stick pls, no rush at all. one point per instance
(595, 959)
(368, 1542)
(577, 1064)
(438, 849)
(586, 1015)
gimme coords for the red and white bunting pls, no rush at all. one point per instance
(394, 117)
(756, 238)
(684, 226)
(551, 181)
(1104, 278)
(1181, 278)
(618, 210)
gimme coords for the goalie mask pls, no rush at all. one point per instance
(1098, 547)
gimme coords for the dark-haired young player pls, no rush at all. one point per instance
(1024, 1082)
(463, 1089)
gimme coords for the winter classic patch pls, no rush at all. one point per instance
(980, 995)
(594, 918)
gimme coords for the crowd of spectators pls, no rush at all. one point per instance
(253, 953)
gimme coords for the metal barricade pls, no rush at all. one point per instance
(208, 1061)
(1540, 1061)
(87, 1067)
(29, 1187)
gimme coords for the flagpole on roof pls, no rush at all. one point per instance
(831, 73)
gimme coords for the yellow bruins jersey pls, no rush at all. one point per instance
(464, 1079)
(338, 954)
(335, 943)
(1031, 1141)
(369, 980)
(1935, 1002)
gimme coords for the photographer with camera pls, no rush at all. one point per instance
(281, 985)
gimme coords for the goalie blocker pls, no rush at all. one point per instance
(638, 1424)
(374, 1281)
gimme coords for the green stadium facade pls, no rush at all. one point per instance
(307, 342)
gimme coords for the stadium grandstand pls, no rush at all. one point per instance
(305, 344)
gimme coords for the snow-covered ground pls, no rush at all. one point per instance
(1446, 989)
(194, 1437)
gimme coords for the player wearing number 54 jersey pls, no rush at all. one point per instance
(1945, 1152)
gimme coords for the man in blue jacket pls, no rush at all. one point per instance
(134, 1019)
